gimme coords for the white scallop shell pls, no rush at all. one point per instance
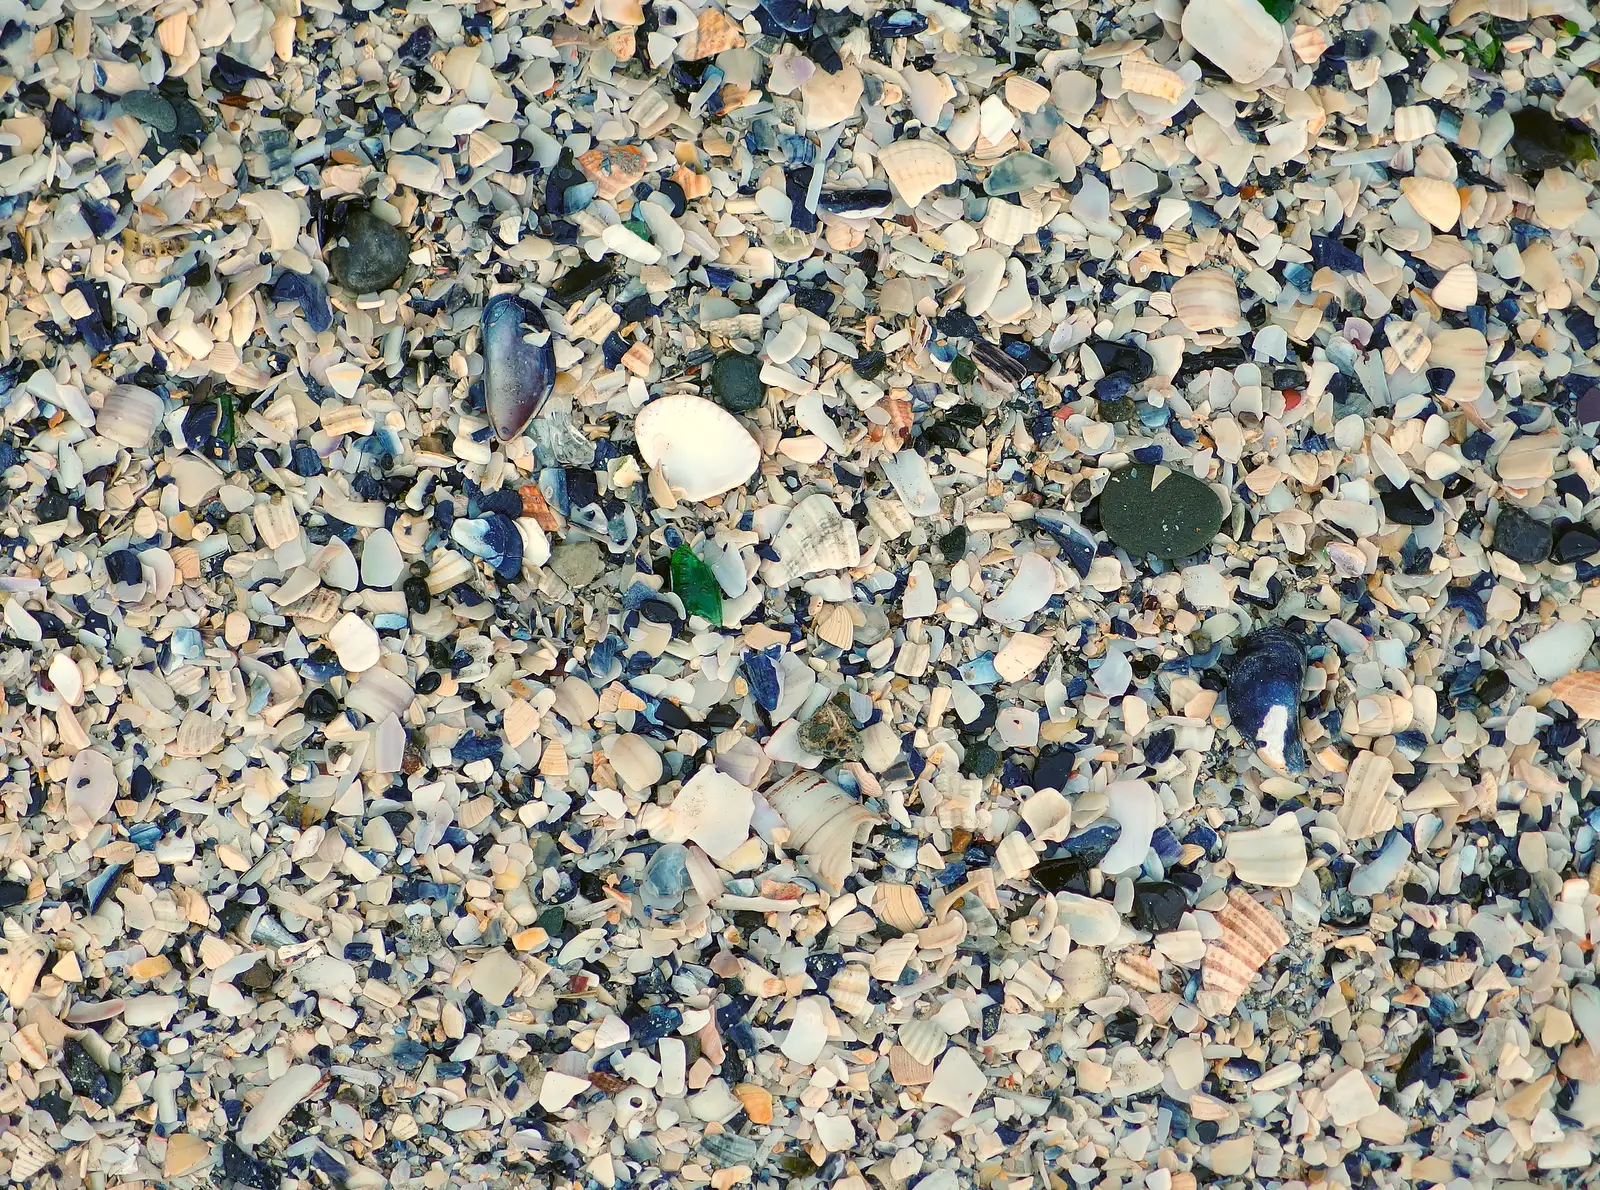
(697, 446)
(129, 416)
(379, 693)
(923, 1040)
(448, 569)
(1410, 343)
(824, 823)
(1457, 289)
(1207, 300)
(1434, 199)
(917, 168)
(816, 537)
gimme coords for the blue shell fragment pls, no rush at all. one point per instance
(762, 672)
(519, 363)
(1264, 680)
(494, 538)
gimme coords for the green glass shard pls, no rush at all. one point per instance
(1426, 36)
(693, 582)
(1280, 9)
(964, 370)
(226, 429)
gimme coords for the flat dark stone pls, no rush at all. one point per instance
(1520, 537)
(1133, 362)
(1173, 519)
(736, 381)
(1158, 905)
(1576, 543)
(377, 254)
(1404, 507)
(86, 1077)
(12, 892)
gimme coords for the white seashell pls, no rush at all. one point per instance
(1560, 199)
(835, 625)
(1434, 199)
(1367, 808)
(1410, 343)
(1015, 855)
(1030, 589)
(714, 810)
(67, 679)
(917, 168)
(1024, 95)
(923, 1040)
(900, 906)
(1274, 856)
(1414, 122)
(1457, 290)
(1083, 977)
(91, 790)
(355, 642)
(890, 959)
(129, 416)
(1144, 77)
(1048, 815)
(698, 447)
(817, 537)
(824, 822)
(946, 934)
(637, 764)
(1465, 351)
(32, 1156)
(1206, 300)
(848, 989)
(829, 99)
(1250, 936)
(1088, 920)
(379, 693)
(1133, 804)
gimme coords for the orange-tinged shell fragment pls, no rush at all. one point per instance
(1250, 936)
(1581, 693)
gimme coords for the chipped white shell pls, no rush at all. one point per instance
(1015, 855)
(1434, 199)
(91, 790)
(1082, 975)
(817, 537)
(890, 959)
(1560, 199)
(697, 446)
(824, 823)
(923, 1040)
(848, 989)
(1144, 77)
(129, 416)
(355, 642)
(900, 906)
(917, 168)
(713, 810)
(1274, 856)
(1250, 936)
(379, 693)
(1367, 809)
(1207, 300)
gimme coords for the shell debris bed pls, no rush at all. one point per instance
(716, 592)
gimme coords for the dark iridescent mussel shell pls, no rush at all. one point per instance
(1264, 679)
(855, 201)
(519, 363)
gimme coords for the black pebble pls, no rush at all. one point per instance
(1405, 507)
(321, 706)
(239, 1166)
(1576, 543)
(1520, 537)
(418, 600)
(12, 892)
(85, 1076)
(1158, 905)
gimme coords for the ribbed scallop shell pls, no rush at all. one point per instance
(816, 537)
(1367, 809)
(917, 168)
(848, 989)
(1434, 199)
(891, 958)
(1250, 936)
(1137, 970)
(899, 906)
(1207, 300)
(906, 1070)
(448, 569)
(1273, 856)
(1410, 343)
(129, 416)
(1144, 77)
(1015, 855)
(923, 1040)
(835, 625)
(1457, 289)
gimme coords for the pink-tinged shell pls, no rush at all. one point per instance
(1250, 936)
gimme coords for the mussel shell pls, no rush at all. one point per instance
(518, 374)
(1266, 674)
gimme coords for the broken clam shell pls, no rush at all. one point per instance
(1264, 680)
(1250, 936)
(824, 823)
(1207, 300)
